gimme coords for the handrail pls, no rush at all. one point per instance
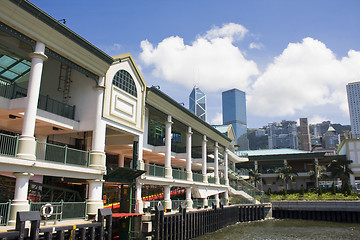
(8, 144)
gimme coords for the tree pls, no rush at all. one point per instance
(318, 174)
(340, 168)
(255, 177)
(286, 174)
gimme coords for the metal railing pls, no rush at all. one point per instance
(61, 154)
(222, 181)
(154, 170)
(179, 174)
(175, 204)
(62, 210)
(8, 145)
(12, 91)
(211, 180)
(211, 201)
(51, 105)
(198, 203)
(197, 177)
(4, 213)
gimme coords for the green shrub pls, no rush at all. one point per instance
(302, 191)
(269, 191)
(320, 192)
(333, 189)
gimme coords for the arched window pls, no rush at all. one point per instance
(124, 81)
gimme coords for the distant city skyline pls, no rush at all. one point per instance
(292, 58)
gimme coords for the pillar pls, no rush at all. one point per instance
(20, 202)
(217, 200)
(188, 155)
(256, 165)
(168, 169)
(27, 143)
(41, 146)
(94, 201)
(139, 206)
(189, 202)
(97, 154)
(167, 197)
(141, 165)
(226, 175)
(216, 162)
(204, 159)
(121, 160)
(205, 202)
(226, 196)
(316, 163)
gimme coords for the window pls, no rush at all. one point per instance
(124, 81)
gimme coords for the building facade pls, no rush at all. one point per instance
(353, 95)
(82, 127)
(197, 103)
(305, 134)
(234, 113)
(282, 135)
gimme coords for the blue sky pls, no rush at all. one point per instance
(293, 58)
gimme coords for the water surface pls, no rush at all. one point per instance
(286, 229)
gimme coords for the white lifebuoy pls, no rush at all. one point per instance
(47, 210)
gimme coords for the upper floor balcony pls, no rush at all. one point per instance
(46, 103)
(46, 151)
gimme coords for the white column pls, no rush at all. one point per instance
(20, 202)
(121, 160)
(256, 165)
(140, 164)
(217, 200)
(41, 148)
(188, 155)
(233, 166)
(167, 197)
(94, 201)
(168, 169)
(216, 162)
(316, 162)
(226, 196)
(226, 160)
(285, 162)
(27, 143)
(97, 154)
(205, 202)
(204, 159)
(352, 180)
(189, 201)
(139, 207)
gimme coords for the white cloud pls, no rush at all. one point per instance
(211, 62)
(113, 49)
(256, 45)
(217, 120)
(304, 76)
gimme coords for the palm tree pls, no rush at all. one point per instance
(318, 174)
(255, 177)
(286, 174)
(340, 168)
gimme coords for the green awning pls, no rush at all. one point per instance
(122, 175)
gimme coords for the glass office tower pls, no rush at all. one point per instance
(353, 95)
(234, 112)
(197, 103)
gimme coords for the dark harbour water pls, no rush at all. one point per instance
(286, 229)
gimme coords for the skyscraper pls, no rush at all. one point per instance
(197, 103)
(353, 95)
(282, 135)
(305, 134)
(234, 112)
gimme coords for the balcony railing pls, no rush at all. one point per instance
(179, 174)
(222, 181)
(198, 203)
(12, 91)
(4, 213)
(61, 154)
(155, 170)
(197, 177)
(63, 210)
(175, 204)
(211, 180)
(8, 145)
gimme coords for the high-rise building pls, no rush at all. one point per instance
(282, 135)
(197, 103)
(353, 95)
(234, 112)
(305, 134)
